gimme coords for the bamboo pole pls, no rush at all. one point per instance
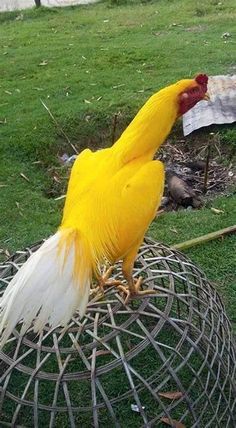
(205, 238)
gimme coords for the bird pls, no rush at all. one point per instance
(112, 198)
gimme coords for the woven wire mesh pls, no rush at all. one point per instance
(91, 373)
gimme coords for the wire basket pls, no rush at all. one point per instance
(160, 359)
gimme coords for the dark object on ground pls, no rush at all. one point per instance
(181, 192)
(168, 356)
(199, 181)
(198, 165)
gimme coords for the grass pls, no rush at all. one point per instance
(86, 64)
(216, 258)
(68, 57)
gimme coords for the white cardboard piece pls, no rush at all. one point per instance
(220, 109)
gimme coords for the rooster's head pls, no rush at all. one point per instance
(195, 91)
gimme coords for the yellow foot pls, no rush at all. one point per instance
(133, 290)
(103, 281)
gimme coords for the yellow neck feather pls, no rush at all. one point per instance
(150, 126)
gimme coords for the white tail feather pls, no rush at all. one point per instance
(45, 290)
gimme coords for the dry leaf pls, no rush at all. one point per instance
(174, 395)
(159, 212)
(87, 101)
(225, 35)
(20, 17)
(135, 408)
(118, 86)
(7, 253)
(170, 422)
(44, 62)
(174, 230)
(19, 208)
(24, 176)
(60, 197)
(8, 92)
(98, 353)
(217, 211)
(56, 178)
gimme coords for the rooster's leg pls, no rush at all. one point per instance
(133, 288)
(103, 281)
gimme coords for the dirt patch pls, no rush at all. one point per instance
(195, 29)
(185, 159)
(203, 169)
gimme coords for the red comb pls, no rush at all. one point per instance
(201, 79)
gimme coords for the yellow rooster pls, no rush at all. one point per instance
(112, 198)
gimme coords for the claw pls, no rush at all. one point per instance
(133, 290)
(136, 288)
(103, 280)
(107, 274)
(126, 291)
(130, 291)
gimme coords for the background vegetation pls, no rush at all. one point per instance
(86, 64)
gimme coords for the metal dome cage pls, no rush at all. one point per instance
(166, 359)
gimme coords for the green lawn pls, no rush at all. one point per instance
(86, 64)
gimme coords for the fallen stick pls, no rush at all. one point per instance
(206, 173)
(113, 137)
(205, 238)
(58, 126)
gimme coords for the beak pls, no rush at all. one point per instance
(206, 97)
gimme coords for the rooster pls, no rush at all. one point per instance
(112, 197)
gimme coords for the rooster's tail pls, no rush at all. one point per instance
(49, 287)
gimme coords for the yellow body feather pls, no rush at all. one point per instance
(112, 198)
(113, 193)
